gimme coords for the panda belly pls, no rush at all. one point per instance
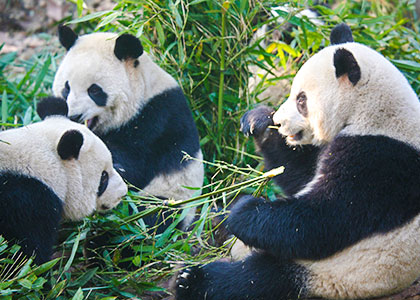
(148, 150)
(174, 184)
(376, 266)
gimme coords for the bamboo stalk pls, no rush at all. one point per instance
(224, 8)
(174, 203)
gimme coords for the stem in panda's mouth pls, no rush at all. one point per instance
(174, 204)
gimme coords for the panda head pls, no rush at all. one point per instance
(98, 77)
(346, 87)
(80, 172)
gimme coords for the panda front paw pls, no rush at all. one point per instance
(245, 218)
(188, 284)
(256, 121)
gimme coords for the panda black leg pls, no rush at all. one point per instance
(259, 276)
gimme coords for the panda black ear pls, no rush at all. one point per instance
(341, 34)
(346, 64)
(127, 46)
(69, 145)
(52, 106)
(66, 36)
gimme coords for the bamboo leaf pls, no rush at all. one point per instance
(56, 290)
(41, 76)
(176, 14)
(46, 266)
(28, 116)
(108, 19)
(407, 64)
(79, 4)
(90, 17)
(4, 107)
(73, 252)
(161, 35)
(78, 295)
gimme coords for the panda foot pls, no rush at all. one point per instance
(256, 121)
(182, 279)
(188, 282)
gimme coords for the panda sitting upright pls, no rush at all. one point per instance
(135, 107)
(48, 170)
(350, 228)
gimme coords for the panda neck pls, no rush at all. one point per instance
(155, 79)
(398, 119)
(146, 80)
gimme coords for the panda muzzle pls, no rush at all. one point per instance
(76, 118)
(90, 123)
(297, 137)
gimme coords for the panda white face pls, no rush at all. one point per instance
(106, 78)
(304, 117)
(68, 158)
(343, 88)
(96, 84)
(92, 182)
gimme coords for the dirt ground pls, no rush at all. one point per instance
(23, 23)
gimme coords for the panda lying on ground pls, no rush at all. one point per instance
(135, 107)
(48, 170)
(350, 228)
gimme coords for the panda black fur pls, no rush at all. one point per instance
(352, 231)
(48, 170)
(299, 162)
(135, 107)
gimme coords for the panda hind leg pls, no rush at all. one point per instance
(259, 276)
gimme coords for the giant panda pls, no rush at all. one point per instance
(52, 170)
(136, 108)
(350, 229)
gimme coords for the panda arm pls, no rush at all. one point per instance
(369, 185)
(153, 142)
(30, 213)
(299, 162)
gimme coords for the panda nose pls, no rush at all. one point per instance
(104, 207)
(76, 118)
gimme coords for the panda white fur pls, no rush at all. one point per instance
(48, 170)
(135, 107)
(350, 226)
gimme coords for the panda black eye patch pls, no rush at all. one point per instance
(97, 94)
(103, 183)
(301, 104)
(66, 90)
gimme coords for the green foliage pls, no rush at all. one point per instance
(19, 277)
(22, 83)
(207, 46)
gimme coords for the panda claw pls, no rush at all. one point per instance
(255, 121)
